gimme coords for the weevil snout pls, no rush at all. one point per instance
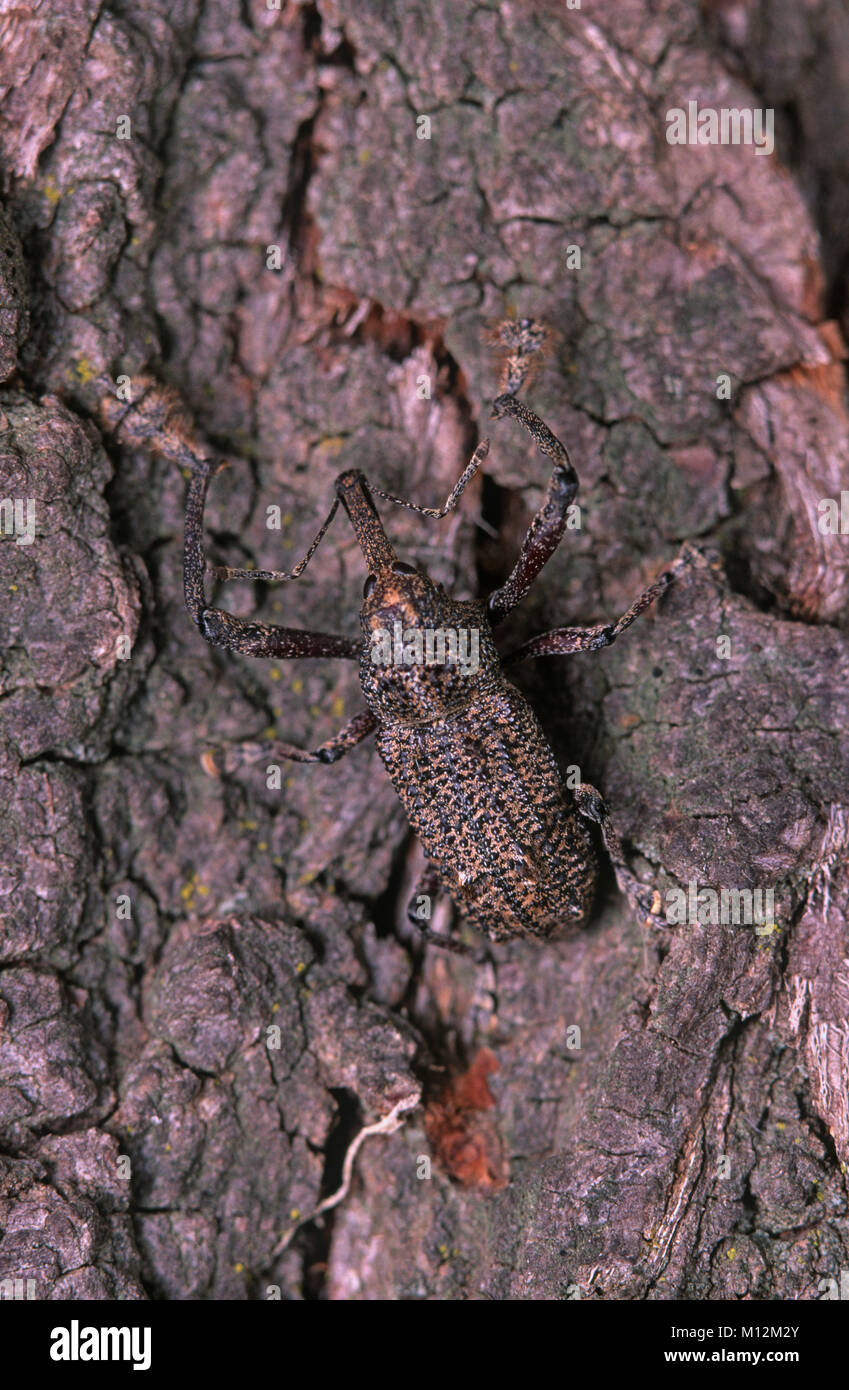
(353, 492)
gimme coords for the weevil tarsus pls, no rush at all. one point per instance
(522, 344)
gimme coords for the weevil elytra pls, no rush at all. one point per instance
(503, 834)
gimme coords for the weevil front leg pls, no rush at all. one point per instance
(644, 900)
(222, 629)
(260, 639)
(525, 339)
(156, 419)
(546, 529)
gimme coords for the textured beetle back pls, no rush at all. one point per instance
(484, 794)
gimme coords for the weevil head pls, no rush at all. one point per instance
(423, 651)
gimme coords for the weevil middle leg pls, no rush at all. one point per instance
(563, 641)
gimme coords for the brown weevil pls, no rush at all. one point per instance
(504, 835)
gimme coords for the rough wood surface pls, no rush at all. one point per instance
(158, 1137)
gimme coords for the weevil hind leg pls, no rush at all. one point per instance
(234, 755)
(644, 900)
(428, 887)
(447, 943)
(420, 905)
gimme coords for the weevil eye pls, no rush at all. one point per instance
(369, 585)
(400, 567)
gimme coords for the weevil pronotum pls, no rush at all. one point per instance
(503, 834)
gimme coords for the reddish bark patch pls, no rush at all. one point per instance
(464, 1138)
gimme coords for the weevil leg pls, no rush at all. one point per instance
(448, 943)
(268, 640)
(644, 900)
(240, 754)
(430, 886)
(547, 527)
(222, 629)
(157, 419)
(561, 641)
